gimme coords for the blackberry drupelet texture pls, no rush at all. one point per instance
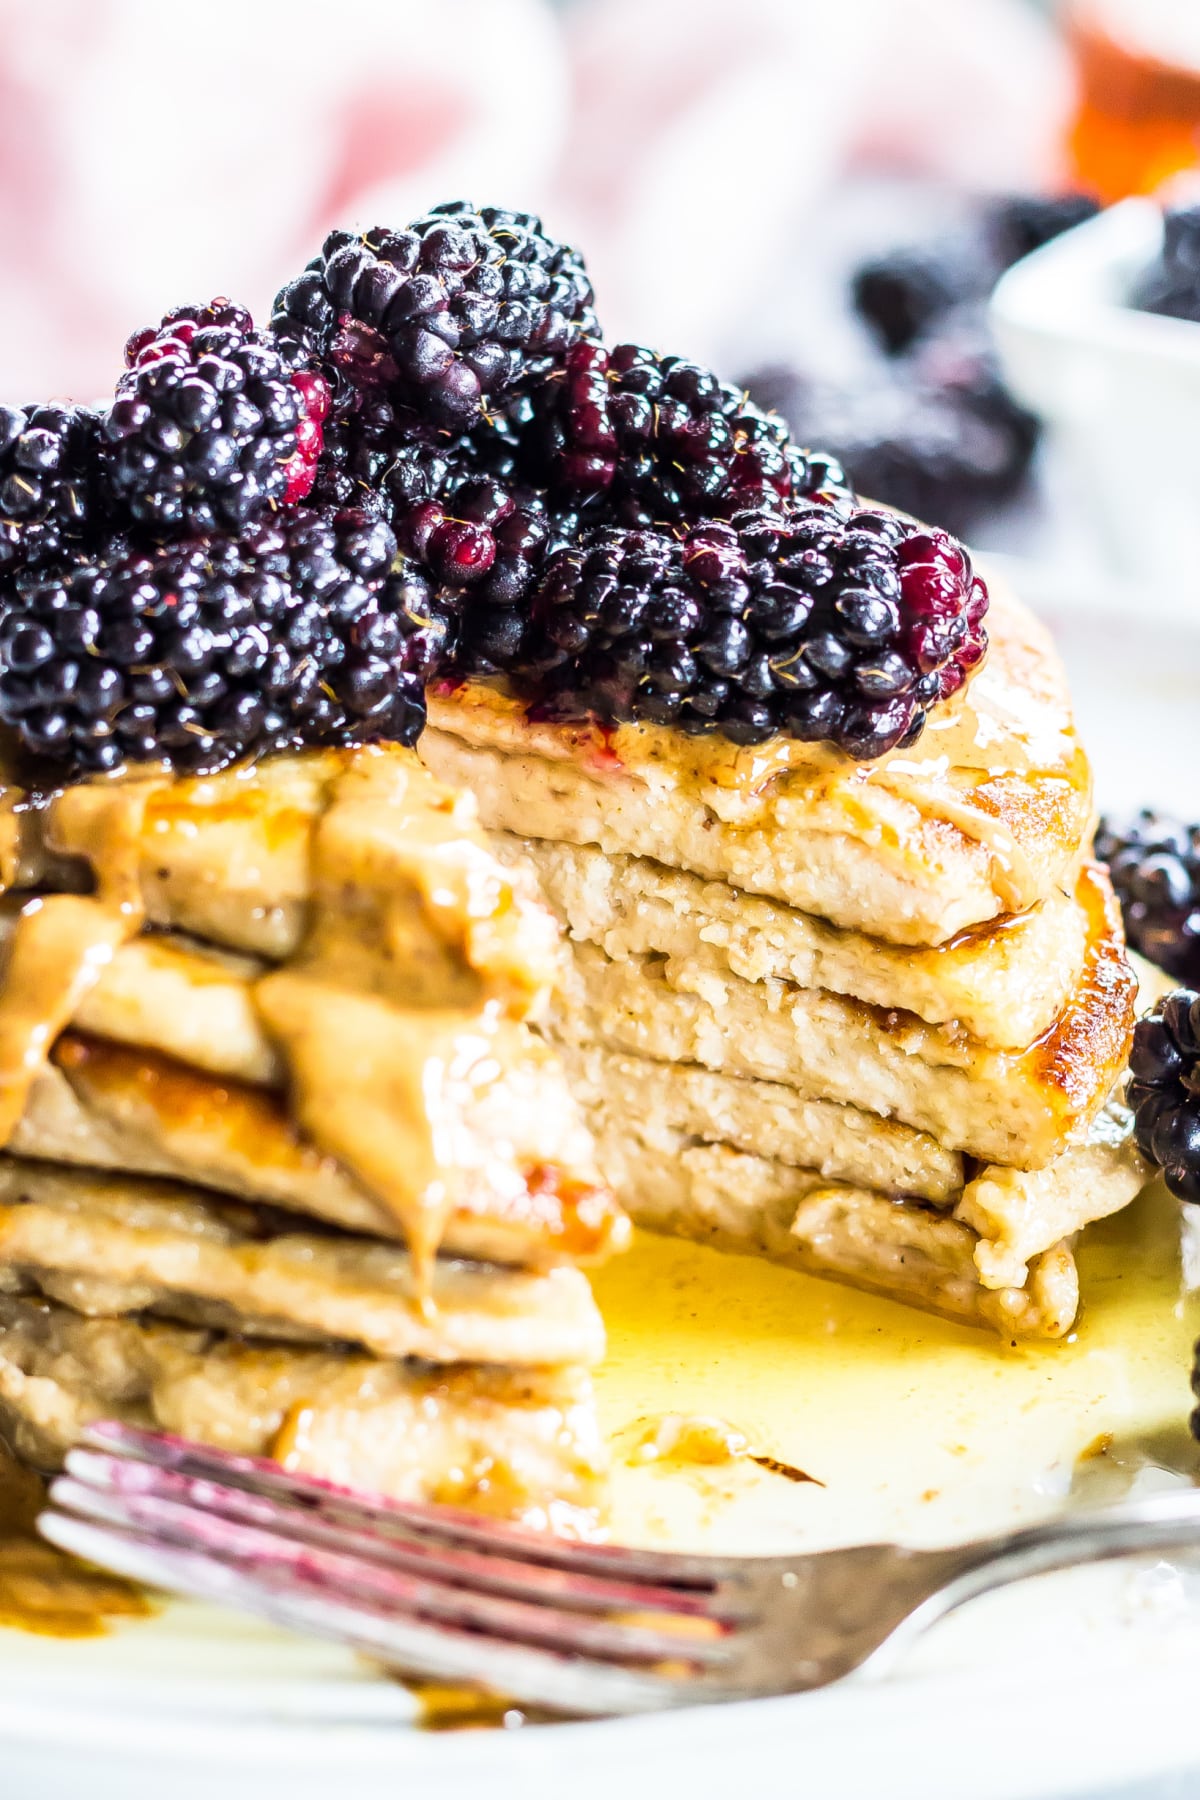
(654, 440)
(49, 500)
(1155, 866)
(1164, 1090)
(838, 626)
(306, 629)
(212, 424)
(449, 316)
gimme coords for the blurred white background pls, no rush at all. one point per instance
(151, 154)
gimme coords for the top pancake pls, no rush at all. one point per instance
(984, 816)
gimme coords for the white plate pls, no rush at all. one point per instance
(1079, 1684)
(1118, 390)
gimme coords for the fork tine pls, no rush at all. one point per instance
(489, 1572)
(568, 1684)
(384, 1516)
(276, 1557)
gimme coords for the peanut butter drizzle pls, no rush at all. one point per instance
(387, 1015)
(61, 942)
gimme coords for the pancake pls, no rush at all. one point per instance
(522, 1445)
(983, 817)
(104, 1106)
(842, 1143)
(309, 1183)
(1015, 1108)
(230, 858)
(1021, 1280)
(162, 1239)
(1004, 983)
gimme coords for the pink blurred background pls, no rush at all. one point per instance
(151, 154)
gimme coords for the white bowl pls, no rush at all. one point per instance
(1119, 390)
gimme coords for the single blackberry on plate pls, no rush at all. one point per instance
(803, 621)
(654, 440)
(907, 292)
(307, 628)
(1164, 1090)
(49, 500)
(448, 316)
(1154, 862)
(212, 424)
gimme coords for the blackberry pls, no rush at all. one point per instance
(48, 496)
(1164, 1090)
(941, 439)
(309, 628)
(359, 449)
(905, 292)
(213, 422)
(1154, 862)
(654, 440)
(1019, 224)
(1172, 285)
(448, 316)
(803, 621)
(457, 503)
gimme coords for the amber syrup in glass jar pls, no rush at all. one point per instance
(1138, 118)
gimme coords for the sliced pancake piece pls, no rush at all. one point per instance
(519, 1444)
(1017, 1213)
(982, 817)
(107, 1106)
(927, 1260)
(1019, 1109)
(763, 1118)
(1005, 983)
(162, 1239)
(925, 1255)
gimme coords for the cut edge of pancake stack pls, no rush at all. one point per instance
(287, 1169)
(866, 1019)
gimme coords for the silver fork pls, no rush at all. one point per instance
(576, 1628)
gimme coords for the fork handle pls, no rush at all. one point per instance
(1167, 1521)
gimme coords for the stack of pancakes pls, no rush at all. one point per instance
(287, 1169)
(865, 1019)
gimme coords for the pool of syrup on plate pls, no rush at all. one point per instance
(907, 1426)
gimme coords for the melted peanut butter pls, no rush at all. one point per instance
(387, 1016)
(61, 942)
(395, 1015)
